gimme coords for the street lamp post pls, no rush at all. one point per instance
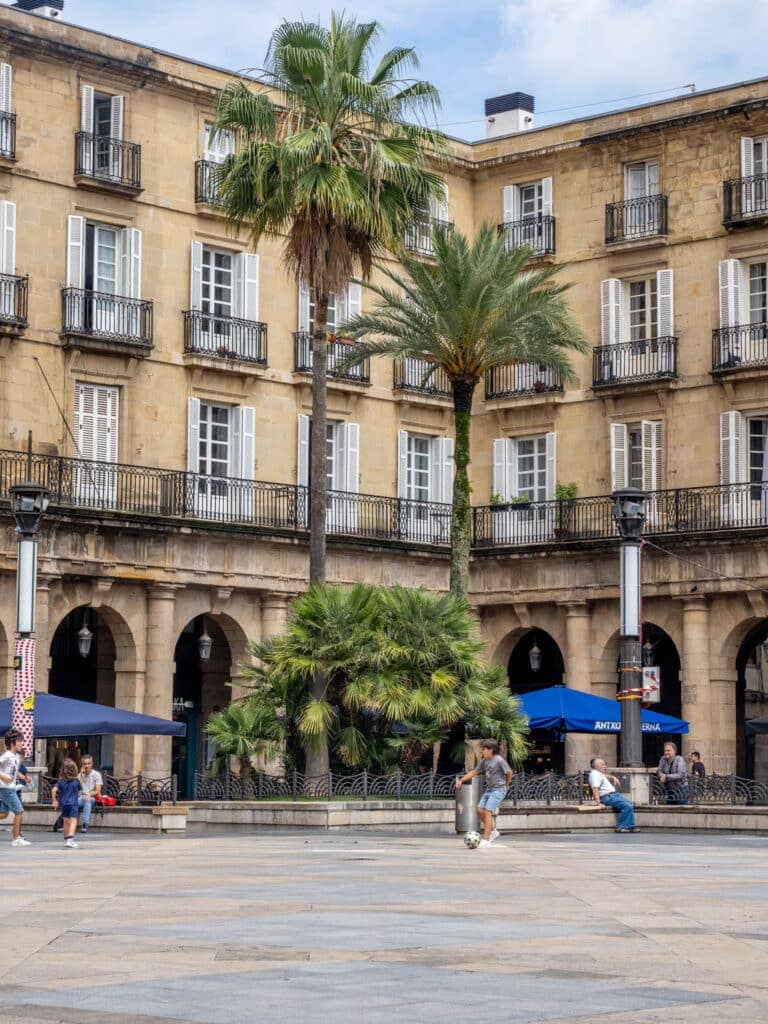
(629, 516)
(28, 503)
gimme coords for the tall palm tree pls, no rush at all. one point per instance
(243, 730)
(476, 306)
(327, 161)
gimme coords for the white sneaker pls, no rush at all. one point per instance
(70, 843)
(21, 841)
(494, 835)
(484, 844)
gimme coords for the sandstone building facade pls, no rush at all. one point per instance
(162, 367)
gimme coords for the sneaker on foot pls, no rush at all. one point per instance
(21, 841)
(83, 828)
(70, 843)
(483, 844)
(494, 835)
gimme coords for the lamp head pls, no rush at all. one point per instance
(84, 640)
(28, 503)
(534, 657)
(204, 645)
(629, 511)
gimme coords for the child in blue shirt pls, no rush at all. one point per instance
(65, 795)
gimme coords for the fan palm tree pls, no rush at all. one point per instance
(477, 306)
(327, 161)
(245, 729)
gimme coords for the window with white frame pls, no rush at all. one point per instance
(754, 173)
(96, 434)
(223, 284)
(101, 117)
(217, 145)
(425, 467)
(643, 309)
(103, 258)
(743, 288)
(342, 451)
(6, 122)
(525, 467)
(637, 455)
(641, 179)
(215, 440)
(341, 307)
(744, 459)
(637, 310)
(220, 445)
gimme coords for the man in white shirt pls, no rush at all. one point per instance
(91, 782)
(604, 791)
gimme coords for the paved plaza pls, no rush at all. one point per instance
(227, 929)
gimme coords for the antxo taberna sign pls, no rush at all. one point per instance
(609, 726)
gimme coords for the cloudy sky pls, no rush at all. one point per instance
(575, 56)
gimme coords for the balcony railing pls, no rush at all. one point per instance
(513, 380)
(410, 376)
(109, 160)
(207, 182)
(418, 236)
(337, 351)
(739, 348)
(634, 361)
(107, 317)
(636, 218)
(745, 199)
(537, 232)
(225, 337)
(7, 135)
(14, 296)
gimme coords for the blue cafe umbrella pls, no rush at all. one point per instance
(62, 716)
(558, 707)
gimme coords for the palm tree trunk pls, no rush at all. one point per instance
(317, 443)
(461, 513)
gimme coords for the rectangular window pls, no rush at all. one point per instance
(531, 199)
(532, 468)
(331, 455)
(758, 456)
(215, 442)
(760, 156)
(635, 462)
(758, 293)
(418, 467)
(643, 305)
(641, 179)
(217, 282)
(101, 265)
(218, 146)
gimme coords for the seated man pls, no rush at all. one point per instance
(604, 791)
(92, 782)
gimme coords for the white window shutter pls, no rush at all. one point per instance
(6, 82)
(350, 452)
(303, 452)
(75, 252)
(402, 463)
(651, 440)
(97, 419)
(106, 437)
(546, 197)
(619, 455)
(86, 109)
(729, 275)
(445, 449)
(303, 307)
(116, 107)
(747, 151)
(7, 237)
(130, 263)
(243, 441)
(501, 468)
(193, 435)
(354, 300)
(610, 311)
(246, 286)
(665, 304)
(438, 207)
(510, 203)
(733, 447)
(551, 474)
(196, 276)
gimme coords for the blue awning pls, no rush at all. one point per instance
(558, 707)
(60, 717)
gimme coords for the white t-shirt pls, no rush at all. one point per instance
(600, 782)
(90, 781)
(9, 765)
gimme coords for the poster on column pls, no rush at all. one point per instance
(651, 684)
(24, 690)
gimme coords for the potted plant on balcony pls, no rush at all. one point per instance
(539, 386)
(565, 496)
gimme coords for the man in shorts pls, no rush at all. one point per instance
(498, 777)
(10, 801)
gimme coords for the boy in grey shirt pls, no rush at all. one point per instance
(498, 776)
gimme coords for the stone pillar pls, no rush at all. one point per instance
(696, 690)
(274, 614)
(578, 676)
(158, 676)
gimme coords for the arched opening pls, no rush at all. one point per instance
(91, 678)
(535, 663)
(200, 687)
(752, 702)
(661, 651)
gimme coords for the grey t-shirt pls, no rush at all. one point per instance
(495, 771)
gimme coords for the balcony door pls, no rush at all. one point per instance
(524, 473)
(341, 307)
(754, 173)
(641, 183)
(342, 459)
(637, 460)
(216, 298)
(101, 117)
(221, 459)
(425, 486)
(96, 421)
(102, 272)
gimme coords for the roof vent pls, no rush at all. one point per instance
(45, 8)
(507, 115)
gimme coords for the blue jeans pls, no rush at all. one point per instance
(619, 803)
(86, 804)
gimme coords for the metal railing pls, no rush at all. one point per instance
(109, 317)
(14, 299)
(730, 790)
(105, 159)
(652, 359)
(636, 218)
(225, 337)
(7, 135)
(741, 347)
(517, 379)
(419, 234)
(410, 376)
(745, 199)
(337, 351)
(207, 182)
(136, 791)
(537, 232)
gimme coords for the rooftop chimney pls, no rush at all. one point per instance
(506, 115)
(45, 8)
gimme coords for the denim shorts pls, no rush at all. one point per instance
(10, 801)
(68, 810)
(492, 800)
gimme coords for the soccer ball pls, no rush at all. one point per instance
(472, 840)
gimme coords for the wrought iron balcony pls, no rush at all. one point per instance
(106, 318)
(337, 351)
(635, 219)
(112, 161)
(14, 294)
(7, 135)
(410, 376)
(634, 361)
(739, 348)
(419, 234)
(207, 181)
(745, 200)
(225, 337)
(515, 380)
(537, 232)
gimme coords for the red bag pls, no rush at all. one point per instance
(105, 801)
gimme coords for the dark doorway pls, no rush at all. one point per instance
(547, 745)
(752, 702)
(666, 658)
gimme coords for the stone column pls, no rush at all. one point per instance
(158, 676)
(578, 676)
(274, 614)
(696, 690)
